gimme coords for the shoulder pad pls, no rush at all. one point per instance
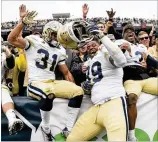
(33, 39)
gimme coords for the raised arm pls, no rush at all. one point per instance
(26, 18)
(14, 38)
(85, 10)
(115, 52)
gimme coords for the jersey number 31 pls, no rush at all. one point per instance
(43, 64)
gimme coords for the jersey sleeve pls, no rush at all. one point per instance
(114, 51)
(62, 57)
(31, 40)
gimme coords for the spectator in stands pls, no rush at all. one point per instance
(136, 78)
(153, 51)
(102, 26)
(152, 40)
(129, 33)
(19, 73)
(152, 36)
(144, 38)
(117, 21)
(150, 61)
(74, 62)
(16, 75)
(110, 25)
(14, 124)
(79, 59)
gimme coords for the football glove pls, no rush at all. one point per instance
(94, 30)
(86, 86)
(29, 18)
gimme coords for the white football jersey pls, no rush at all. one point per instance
(136, 52)
(42, 59)
(106, 77)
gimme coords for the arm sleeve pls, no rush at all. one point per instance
(114, 51)
(30, 41)
(27, 45)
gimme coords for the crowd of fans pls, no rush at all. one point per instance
(74, 70)
(117, 20)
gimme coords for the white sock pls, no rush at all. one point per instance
(10, 114)
(45, 115)
(71, 117)
(131, 133)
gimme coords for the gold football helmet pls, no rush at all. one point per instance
(49, 28)
(70, 34)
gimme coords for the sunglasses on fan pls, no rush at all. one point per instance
(144, 38)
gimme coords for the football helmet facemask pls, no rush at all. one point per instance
(70, 34)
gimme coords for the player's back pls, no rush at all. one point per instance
(42, 59)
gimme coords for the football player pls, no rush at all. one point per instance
(43, 54)
(105, 73)
(7, 63)
(136, 77)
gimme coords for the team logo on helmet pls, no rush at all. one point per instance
(49, 28)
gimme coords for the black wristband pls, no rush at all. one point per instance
(111, 19)
(24, 23)
(10, 62)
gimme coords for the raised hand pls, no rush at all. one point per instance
(94, 30)
(85, 9)
(22, 11)
(29, 18)
(111, 13)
